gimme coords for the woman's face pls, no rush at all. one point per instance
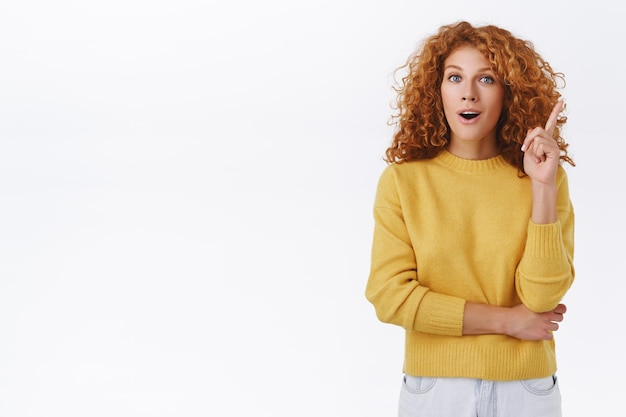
(473, 98)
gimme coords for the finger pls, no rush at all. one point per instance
(540, 153)
(551, 123)
(534, 148)
(531, 135)
(528, 141)
(557, 317)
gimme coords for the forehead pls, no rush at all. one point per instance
(467, 57)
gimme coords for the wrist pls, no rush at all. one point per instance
(485, 319)
(504, 321)
(544, 203)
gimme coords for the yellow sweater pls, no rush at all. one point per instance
(449, 230)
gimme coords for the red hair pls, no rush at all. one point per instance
(529, 83)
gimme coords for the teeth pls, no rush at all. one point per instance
(469, 114)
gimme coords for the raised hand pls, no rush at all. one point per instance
(541, 152)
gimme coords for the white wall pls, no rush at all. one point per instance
(186, 191)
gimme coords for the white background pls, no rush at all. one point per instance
(186, 191)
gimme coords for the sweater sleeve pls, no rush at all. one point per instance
(546, 270)
(393, 286)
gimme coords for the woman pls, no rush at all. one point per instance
(474, 229)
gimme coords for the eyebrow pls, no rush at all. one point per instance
(461, 69)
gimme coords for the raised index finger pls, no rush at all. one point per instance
(551, 123)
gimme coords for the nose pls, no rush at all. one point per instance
(470, 92)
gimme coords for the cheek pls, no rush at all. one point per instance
(496, 105)
(446, 102)
(500, 101)
(500, 108)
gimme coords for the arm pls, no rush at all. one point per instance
(546, 271)
(393, 285)
(541, 163)
(517, 321)
(394, 290)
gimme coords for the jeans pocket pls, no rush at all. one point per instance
(541, 386)
(418, 384)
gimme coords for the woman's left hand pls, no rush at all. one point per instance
(541, 152)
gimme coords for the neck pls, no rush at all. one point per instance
(473, 150)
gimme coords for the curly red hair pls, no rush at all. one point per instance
(529, 82)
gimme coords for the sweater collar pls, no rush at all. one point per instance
(472, 165)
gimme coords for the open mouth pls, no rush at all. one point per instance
(469, 115)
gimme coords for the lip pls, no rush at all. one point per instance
(468, 121)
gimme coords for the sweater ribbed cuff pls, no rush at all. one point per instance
(544, 241)
(441, 314)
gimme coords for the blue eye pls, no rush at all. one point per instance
(454, 78)
(487, 80)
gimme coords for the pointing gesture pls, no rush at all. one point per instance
(541, 152)
(551, 123)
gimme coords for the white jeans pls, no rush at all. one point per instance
(465, 397)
